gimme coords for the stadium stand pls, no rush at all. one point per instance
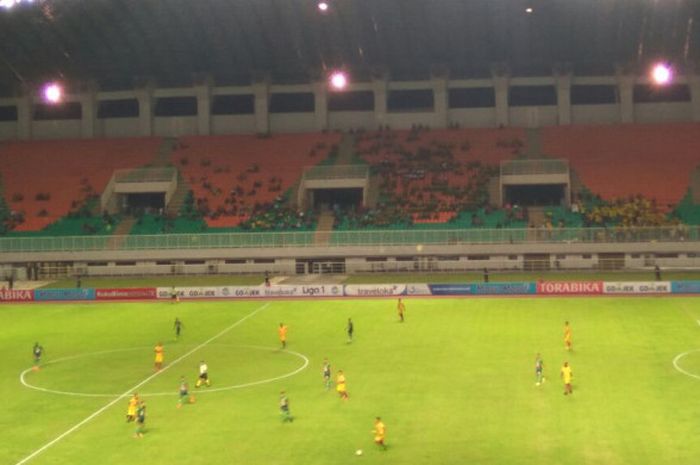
(654, 161)
(430, 176)
(235, 177)
(45, 181)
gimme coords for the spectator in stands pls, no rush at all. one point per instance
(657, 272)
(486, 275)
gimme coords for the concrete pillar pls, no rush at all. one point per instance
(625, 89)
(261, 91)
(24, 117)
(321, 105)
(563, 82)
(146, 109)
(501, 82)
(441, 97)
(379, 86)
(203, 94)
(88, 108)
(694, 85)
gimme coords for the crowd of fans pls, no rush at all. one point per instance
(421, 178)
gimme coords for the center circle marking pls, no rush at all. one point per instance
(22, 376)
(677, 366)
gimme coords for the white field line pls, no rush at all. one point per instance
(134, 388)
(677, 366)
(22, 376)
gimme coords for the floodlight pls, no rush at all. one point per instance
(661, 74)
(338, 80)
(52, 93)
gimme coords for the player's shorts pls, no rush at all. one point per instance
(326, 376)
(159, 359)
(379, 439)
(538, 371)
(131, 411)
(340, 387)
(203, 376)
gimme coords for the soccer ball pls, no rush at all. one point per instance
(358, 452)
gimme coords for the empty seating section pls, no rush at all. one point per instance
(618, 161)
(230, 175)
(434, 174)
(46, 179)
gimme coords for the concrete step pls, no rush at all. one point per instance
(533, 144)
(346, 150)
(695, 185)
(122, 229)
(324, 229)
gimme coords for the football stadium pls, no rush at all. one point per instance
(305, 232)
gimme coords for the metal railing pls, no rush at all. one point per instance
(162, 174)
(349, 238)
(524, 167)
(336, 171)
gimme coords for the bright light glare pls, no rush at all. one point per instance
(661, 74)
(53, 93)
(323, 6)
(528, 10)
(339, 80)
(7, 4)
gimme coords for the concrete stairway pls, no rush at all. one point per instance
(494, 191)
(324, 229)
(536, 216)
(178, 199)
(533, 145)
(165, 150)
(695, 185)
(346, 150)
(122, 229)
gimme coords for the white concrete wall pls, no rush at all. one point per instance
(533, 117)
(473, 117)
(8, 130)
(321, 118)
(232, 124)
(117, 127)
(58, 129)
(663, 112)
(292, 122)
(595, 114)
(346, 120)
(405, 120)
(173, 126)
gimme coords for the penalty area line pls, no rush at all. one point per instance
(134, 388)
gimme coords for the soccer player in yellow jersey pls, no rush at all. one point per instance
(340, 385)
(567, 336)
(131, 409)
(401, 308)
(379, 432)
(158, 349)
(566, 376)
(282, 332)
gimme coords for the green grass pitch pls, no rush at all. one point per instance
(454, 383)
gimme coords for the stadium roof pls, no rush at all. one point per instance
(118, 42)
